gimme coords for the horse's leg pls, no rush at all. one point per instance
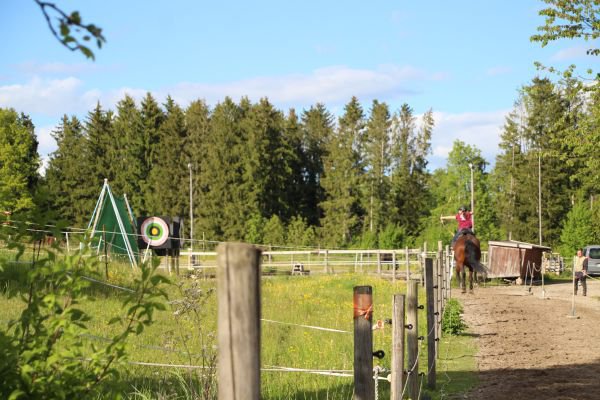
(471, 280)
(460, 271)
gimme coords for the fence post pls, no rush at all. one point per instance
(412, 341)
(364, 386)
(448, 272)
(379, 263)
(238, 291)
(438, 296)
(431, 322)
(407, 265)
(67, 238)
(394, 266)
(397, 366)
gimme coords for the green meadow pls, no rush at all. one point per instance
(176, 356)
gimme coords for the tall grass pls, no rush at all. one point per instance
(186, 335)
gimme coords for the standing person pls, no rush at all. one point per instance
(580, 267)
(465, 222)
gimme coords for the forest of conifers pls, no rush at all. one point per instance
(310, 178)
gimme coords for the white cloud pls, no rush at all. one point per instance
(44, 96)
(331, 85)
(570, 53)
(479, 129)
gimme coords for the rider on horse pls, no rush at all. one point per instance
(465, 222)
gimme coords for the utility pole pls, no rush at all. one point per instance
(191, 214)
(472, 198)
(540, 194)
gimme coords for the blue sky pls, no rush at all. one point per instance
(465, 60)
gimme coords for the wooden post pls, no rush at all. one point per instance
(407, 265)
(326, 261)
(394, 266)
(364, 386)
(67, 238)
(379, 263)
(437, 307)
(423, 257)
(397, 366)
(412, 340)
(431, 321)
(238, 291)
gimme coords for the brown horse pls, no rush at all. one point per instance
(467, 254)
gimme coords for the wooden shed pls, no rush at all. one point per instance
(512, 259)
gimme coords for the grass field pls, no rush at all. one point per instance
(185, 334)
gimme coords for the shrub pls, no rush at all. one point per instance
(452, 322)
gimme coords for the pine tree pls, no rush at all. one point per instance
(266, 160)
(317, 128)
(341, 178)
(128, 148)
(411, 144)
(99, 159)
(168, 177)
(64, 179)
(197, 122)
(378, 163)
(152, 117)
(221, 176)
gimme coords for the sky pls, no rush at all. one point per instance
(465, 60)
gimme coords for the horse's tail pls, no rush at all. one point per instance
(473, 260)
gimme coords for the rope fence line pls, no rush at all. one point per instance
(305, 326)
(87, 278)
(411, 370)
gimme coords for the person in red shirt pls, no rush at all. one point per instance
(465, 222)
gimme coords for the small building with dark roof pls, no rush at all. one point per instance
(513, 259)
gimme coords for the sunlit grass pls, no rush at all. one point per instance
(321, 301)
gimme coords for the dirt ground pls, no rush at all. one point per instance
(531, 346)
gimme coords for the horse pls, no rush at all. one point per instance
(467, 253)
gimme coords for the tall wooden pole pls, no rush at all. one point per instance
(364, 386)
(412, 341)
(238, 290)
(397, 366)
(540, 195)
(430, 293)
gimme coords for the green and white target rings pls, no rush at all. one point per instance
(155, 231)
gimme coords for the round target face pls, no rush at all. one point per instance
(155, 231)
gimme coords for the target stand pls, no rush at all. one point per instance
(162, 235)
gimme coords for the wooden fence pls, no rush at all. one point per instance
(239, 327)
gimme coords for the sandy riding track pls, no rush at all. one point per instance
(529, 348)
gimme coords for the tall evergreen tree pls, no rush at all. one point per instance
(197, 122)
(99, 156)
(128, 149)
(378, 163)
(66, 185)
(168, 177)
(341, 178)
(221, 176)
(410, 148)
(317, 128)
(152, 116)
(266, 159)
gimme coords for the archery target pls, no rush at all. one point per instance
(154, 231)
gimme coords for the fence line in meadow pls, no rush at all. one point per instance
(232, 274)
